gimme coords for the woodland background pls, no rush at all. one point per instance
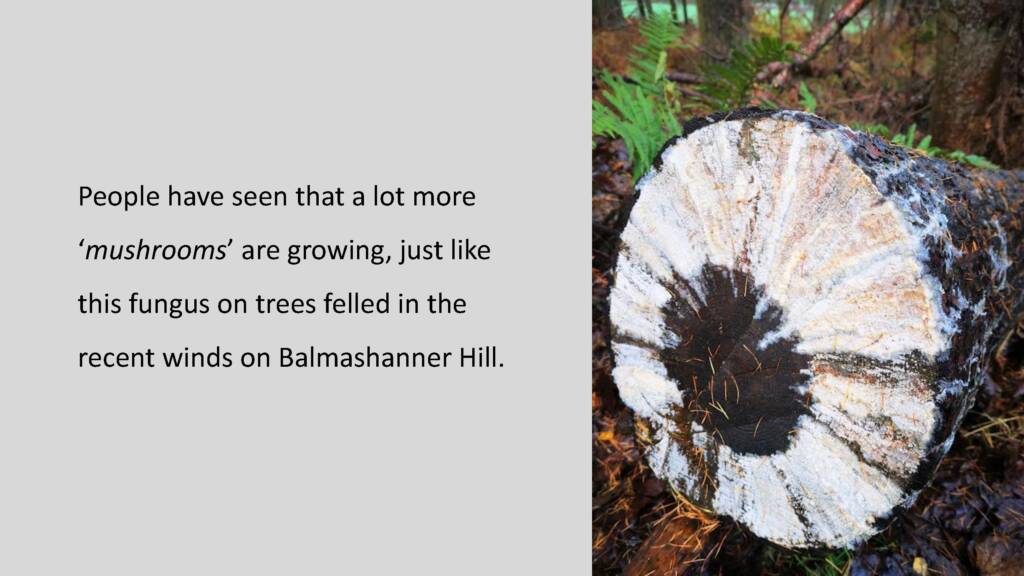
(945, 77)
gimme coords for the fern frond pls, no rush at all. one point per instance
(810, 103)
(660, 35)
(642, 122)
(925, 145)
(650, 58)
(642, 108)
(728, 84)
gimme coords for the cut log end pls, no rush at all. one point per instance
(791, 319)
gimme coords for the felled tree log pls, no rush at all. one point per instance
(802, 315)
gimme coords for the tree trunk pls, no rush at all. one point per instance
(802, 314)
(978, 97)
(675, 10)
(686, 13)
(724, 24)
(608, 13)
(642, 7)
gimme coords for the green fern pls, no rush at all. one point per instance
(643, 107)
(908, 139)
(642, 122)
(876, 129)
(728, 85)
(807, 99)
(649, 59)
(925, 147)
(972, 159)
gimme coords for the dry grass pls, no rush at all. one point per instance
(999, 430)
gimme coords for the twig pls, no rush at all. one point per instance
(683, 77)
(782, 20)
(780, 72)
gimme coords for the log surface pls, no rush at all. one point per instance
(802, 315)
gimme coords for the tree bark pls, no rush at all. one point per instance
(724, 25)
(802, 315)
(608, 13)
(978, 96)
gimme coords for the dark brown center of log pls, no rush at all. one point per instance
(742, 395)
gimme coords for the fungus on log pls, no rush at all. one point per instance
(802, 315)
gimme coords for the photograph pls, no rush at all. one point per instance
(808, 302)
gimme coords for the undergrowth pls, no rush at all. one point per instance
(909, 139)
(835, 563)
(729, 84)
(643, 106)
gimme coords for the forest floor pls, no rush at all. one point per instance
(971, 518)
